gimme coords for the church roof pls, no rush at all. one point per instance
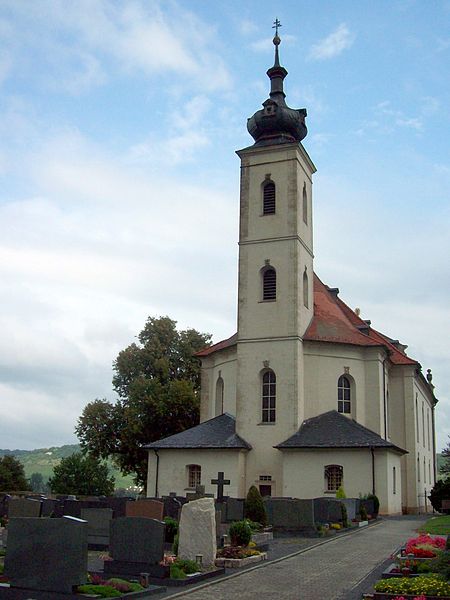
(335, 322)
(334, 430)
(219, 432)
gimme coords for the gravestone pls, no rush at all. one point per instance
(49, 507)
(136, 546)
(172, 506)
(151, 509)
(327, 510)
(198, 494)
(98, 520)
(71, 508)
(46, 554)
(198, 531)
(220, 482)
(290, 513)
(352, 506)
(4, 502)
(234, 509)
(24, 507)
(118, 505)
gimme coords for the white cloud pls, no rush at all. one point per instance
(333, 45)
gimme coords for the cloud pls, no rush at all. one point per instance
(247, 27)
(333, 45)
(101, 36)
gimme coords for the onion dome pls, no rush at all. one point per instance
(276, 123)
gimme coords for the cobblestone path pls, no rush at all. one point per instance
(324, 572)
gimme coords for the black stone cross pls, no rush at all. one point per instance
(220, 482)
(276, 24)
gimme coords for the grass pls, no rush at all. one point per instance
(437, 526)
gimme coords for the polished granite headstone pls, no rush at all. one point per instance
(46, 554)
(24, 507)
(98, 520)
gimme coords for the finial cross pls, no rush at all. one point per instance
(276, 24)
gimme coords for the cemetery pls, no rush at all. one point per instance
(59, 548)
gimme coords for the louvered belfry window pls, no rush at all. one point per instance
(269, 284)
(269, 198)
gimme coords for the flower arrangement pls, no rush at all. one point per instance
(335, 526)
(415, 598)
(425, 546)
(110, 588)
(425, 585)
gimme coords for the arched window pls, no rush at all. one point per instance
(334, 477)
(344, 395)
(194, 476)
(269, 284)
(269, 396)
(269, 198)
(305, 205)
(219, 397)
(305, 289)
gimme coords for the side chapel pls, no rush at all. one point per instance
(306, 396)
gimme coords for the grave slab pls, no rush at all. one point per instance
(46, 554)
(151, 509)
(198, 531)
(24, 507)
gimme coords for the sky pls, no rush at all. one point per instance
(119, 182)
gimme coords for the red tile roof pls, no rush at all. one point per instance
(334, 322)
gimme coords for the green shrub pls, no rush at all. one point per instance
(344, 515)
(376, 503)
(363, 512)
(171, 529)
(441, 564)
(254, 508)
(188, 566)
(440, 491)
(340, 492)
(240, 533)
(253, 525)
(2, 568)
(176, 541)
(176, 572)
(105, 591)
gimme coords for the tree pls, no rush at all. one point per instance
(82, 476)
(444, 468)
(254, 506)
(158, 384)
(37, 483)
(12, 475)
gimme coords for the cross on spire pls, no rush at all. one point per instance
(275, 26)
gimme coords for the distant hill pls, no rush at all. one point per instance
(43, 460)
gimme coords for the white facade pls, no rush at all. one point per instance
(303, 340)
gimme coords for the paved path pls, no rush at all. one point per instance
(327, 571)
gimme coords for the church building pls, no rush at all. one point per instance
(306, 396)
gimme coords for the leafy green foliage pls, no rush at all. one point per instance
(376, 503)
(176, 572)
(171, 529)
(105, 591)
(81, 475)
(240, 533)
(344, 515)
(363, 512)
(176, 542)
(254, 508)
(439, 492)
(12, 475)
(158, 384)
(188, 566)
(340, 493)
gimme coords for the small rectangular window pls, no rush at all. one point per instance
(195, 476)
(394, 481)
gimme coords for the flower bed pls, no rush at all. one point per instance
(425, 546)
(428, 585)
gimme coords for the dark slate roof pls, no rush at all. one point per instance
(334, 430)
(219, 432)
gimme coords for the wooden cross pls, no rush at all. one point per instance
(220, 482)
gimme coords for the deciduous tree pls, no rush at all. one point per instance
(82, 476)
(157, 381)
(12, 475)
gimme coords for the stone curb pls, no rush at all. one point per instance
(272, 562)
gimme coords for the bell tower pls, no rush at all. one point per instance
(275, 288)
